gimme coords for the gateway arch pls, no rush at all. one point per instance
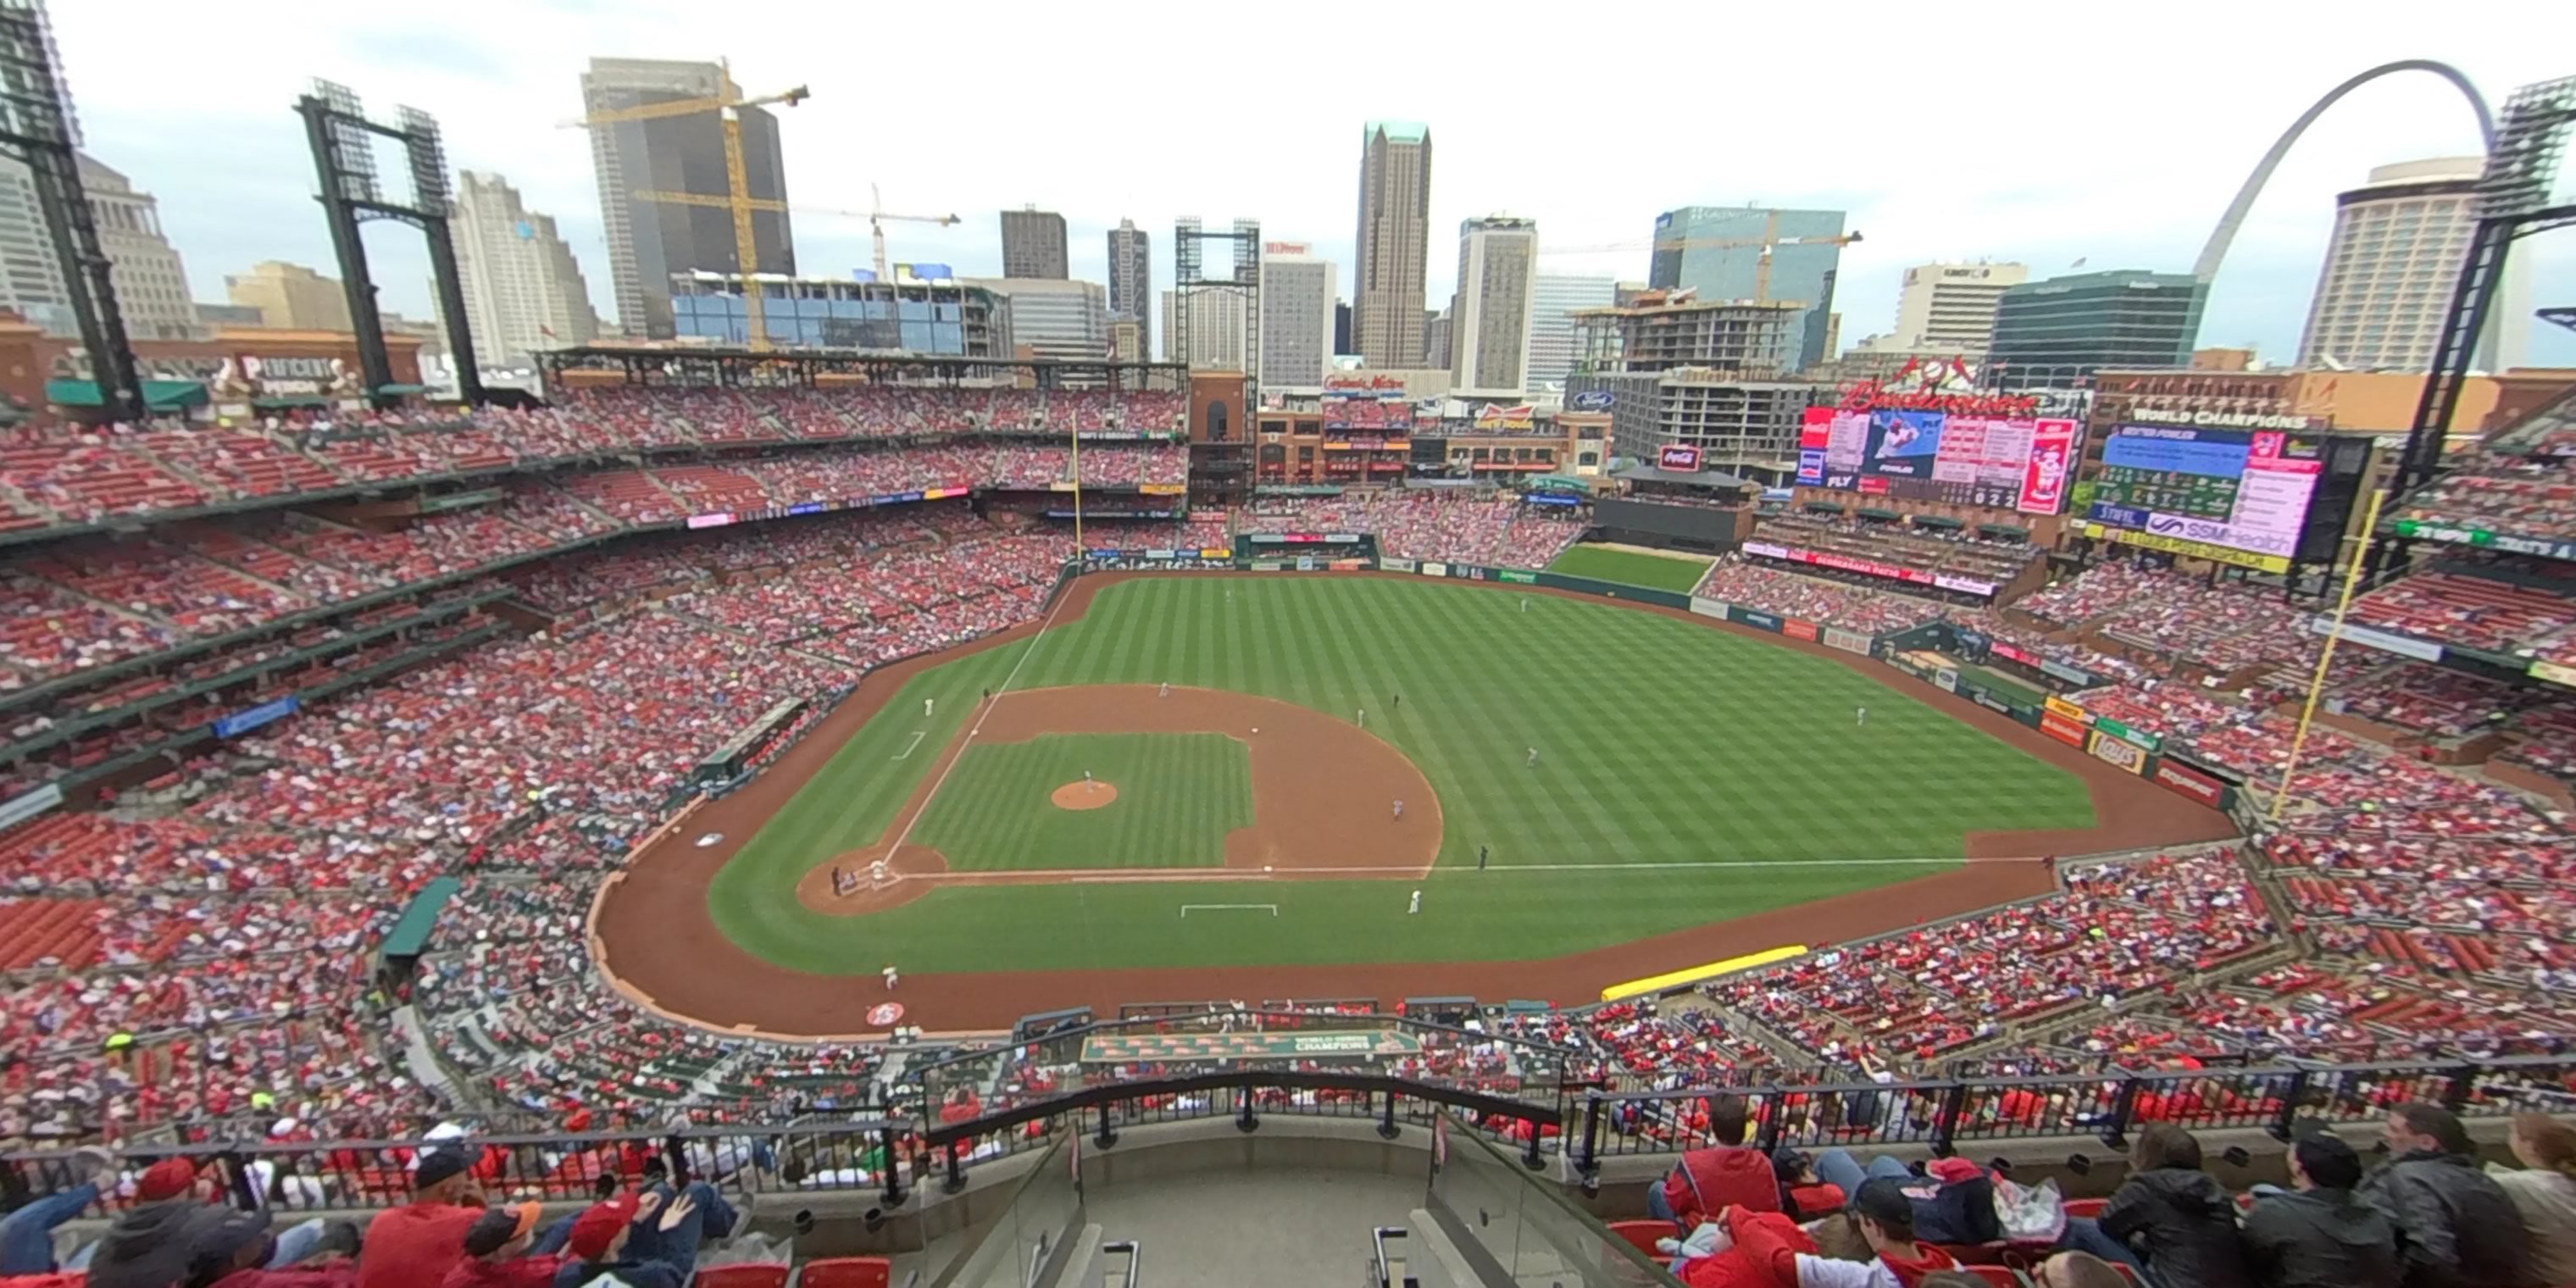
(2215, 252)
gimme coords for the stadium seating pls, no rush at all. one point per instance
(1433, 526)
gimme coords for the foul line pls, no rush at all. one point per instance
(1107, 876)
(1272, 908)
(917, 736)
(981, 715)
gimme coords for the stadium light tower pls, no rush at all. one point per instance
(343, 143)
(37, 127)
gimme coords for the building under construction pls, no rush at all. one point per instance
(1665, 330)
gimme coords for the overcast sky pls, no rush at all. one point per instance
(2037, 132)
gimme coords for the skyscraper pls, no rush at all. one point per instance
(151, 283)
(1741, 253)
(1033, 244)
(1950, 308)
(291, 296)
(1297, 293)
(2074, 325)
(1393, 243)
(1553, 301)
(650, 240)
(523, 290)
(1215, 330)
(2386, 284)
(1051, 317)
(1489, 326)
(1131, 278)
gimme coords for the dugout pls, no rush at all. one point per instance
(1701, 511)
(1305, 551)
(728, 762)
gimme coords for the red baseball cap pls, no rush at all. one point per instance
(597, 1227)
(167, 1179)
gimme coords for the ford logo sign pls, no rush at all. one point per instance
(1590, 400)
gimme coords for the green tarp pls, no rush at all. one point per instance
(1122, 1048)
(158, 395)
(1936, 521)
(1873, 512)
(2004, 530)
(292, 400)
(411, 930)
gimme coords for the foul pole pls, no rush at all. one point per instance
(2325, 656)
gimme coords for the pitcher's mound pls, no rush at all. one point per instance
(1084, 795)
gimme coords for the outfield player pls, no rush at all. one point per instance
(1362, 718)
(1399, 702)
(1416, 905)
(1533, 758)
(926, 705)
(1480, 858)
(1860, 717)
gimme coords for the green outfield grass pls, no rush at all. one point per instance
(1178, 795)
(1674, 572)
(1666, 747)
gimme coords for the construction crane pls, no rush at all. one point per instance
(875, 215)
(1769, 240)
(727, 103)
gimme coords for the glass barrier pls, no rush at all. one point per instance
(1042, 1212)
(1523, 1220)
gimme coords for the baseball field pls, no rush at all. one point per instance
(1661, 570)
(1191, 782)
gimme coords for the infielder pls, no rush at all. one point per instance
(1399, 811)
(1362, 717)
(1165, 691)
(926, 704)
(889, 977)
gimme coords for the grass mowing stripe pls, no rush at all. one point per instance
(1722, 748)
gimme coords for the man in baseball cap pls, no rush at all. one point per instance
(415, 1245)
(497, 1251)
(598, 1245)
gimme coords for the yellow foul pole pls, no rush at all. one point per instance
(1075, 436)
(2325, 656)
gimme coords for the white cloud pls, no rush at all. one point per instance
(2039, 132)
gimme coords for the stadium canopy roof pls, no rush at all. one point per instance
(1695, 478)
(1936, 521)
(158, 395)
(411, 931)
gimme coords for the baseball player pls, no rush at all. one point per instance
(1165, 691)
(1860, 717)
(889, 977)
(1362, 717)
(1399, 811)
(1533, 758)
(1410, 908)
(877, 873)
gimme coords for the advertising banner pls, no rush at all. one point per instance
(1495, 417)
(1679, 458)
(1990, 702)
(2188, 549)
(2484, 538)
(1396, 565)
(2052, 463)
(250, 718)
(1216, 552)
(2423, 650)
(2069, 712)
(2063, 729)
(1758, 621)
(1946, 680)
(1798, 630)
(1516, 576)
(710, 520)
(2061, 671)
(2242, 489)
(2554, 673)
(1708, 607)
(2118, 730)
(2119, 752)
(1590, 400)
(1434, 568)
(27, 805)
(1162, 489)
(1847, 641)
(2188, 782)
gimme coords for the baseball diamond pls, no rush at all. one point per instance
(1735, 808)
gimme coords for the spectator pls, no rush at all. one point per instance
(27, 1234)
(2316, 1234)
(504, 1250)
(2454, 1223)
(2544, 1191)
(234, 1250)
(599, 1244)
(1733, 1266)
(1883, 1216)
(415, 1245)
(2175, 1215)
(1804, 1195)
(1708, 1181)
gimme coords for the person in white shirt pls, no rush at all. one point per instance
(2544, 1191)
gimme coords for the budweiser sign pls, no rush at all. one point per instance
(1941, 384)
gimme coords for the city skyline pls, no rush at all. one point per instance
(2125, 185)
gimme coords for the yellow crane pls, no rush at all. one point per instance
(876, 214)
(728, 103)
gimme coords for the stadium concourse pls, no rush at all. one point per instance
(516, 690)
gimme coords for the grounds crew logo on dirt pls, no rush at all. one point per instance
(1120, 1048)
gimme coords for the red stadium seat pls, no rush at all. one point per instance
(2086, 1207)
(846, 1272)
(1641, 1235)
(742, 1277)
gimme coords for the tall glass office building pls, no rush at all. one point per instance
(943, 319)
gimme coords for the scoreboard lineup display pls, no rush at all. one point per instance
(2243, 489)
(2004, 463)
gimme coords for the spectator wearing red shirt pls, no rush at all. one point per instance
(1708, 1181)
(415, 1245)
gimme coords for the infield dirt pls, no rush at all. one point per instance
(656, 940)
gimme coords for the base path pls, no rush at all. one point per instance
(655, 940)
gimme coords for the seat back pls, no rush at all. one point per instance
(746, 1276)
(846, 1272)
(1641, 1235)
